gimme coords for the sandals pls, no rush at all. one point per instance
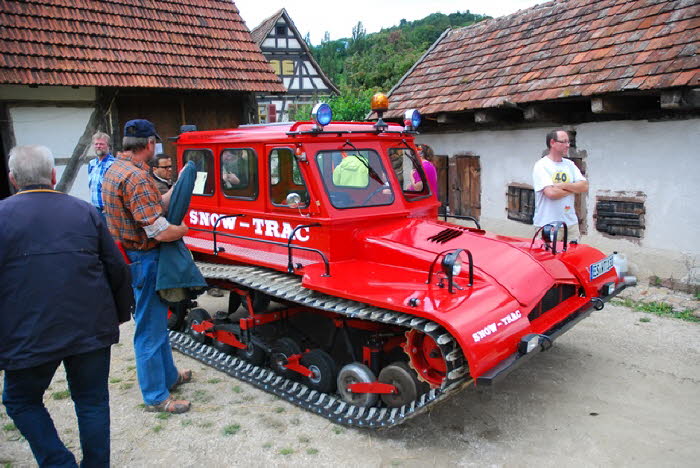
(170, 405)
(183, 377)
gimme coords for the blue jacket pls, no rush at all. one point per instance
(64, 286)
(176, 268)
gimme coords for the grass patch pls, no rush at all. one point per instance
(9, 427)
(658, 308)
(338, 430)
(158, 428)
(645, 320)
(115, 380)
(62, 395)
(237, 389)
(205, 424)
(202, 396)
(130, 368)
(286, 451)
(141, 405)
(186, 422)
(232, 429)
(267, 445)
(214, 381)
(304, 439)
(279, 409)
(163, 415)
(311, 451)
(126, 386)
(248, 398)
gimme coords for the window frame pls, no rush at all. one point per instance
(305, 204)
(213, 162)
(251, 180)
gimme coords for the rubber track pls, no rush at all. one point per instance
(288, 287)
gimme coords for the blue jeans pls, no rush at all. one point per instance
(154, 358)
(87, 380)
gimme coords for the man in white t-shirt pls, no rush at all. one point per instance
(556, 180)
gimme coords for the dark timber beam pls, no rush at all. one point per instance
(535, 112)
(681, 99)
(611, 105)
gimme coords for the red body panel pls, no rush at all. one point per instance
(381, 255)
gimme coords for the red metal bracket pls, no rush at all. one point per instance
(372, 387)
(227, 338)
(293, 364)
(203, 327)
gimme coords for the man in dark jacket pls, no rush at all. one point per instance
(64, 289)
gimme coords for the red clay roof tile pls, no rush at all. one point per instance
(131, 43)
(557, 50)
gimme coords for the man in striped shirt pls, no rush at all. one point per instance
(97, 168)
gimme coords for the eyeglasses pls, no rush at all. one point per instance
(567, 142)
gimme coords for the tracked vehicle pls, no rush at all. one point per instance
(347, 295)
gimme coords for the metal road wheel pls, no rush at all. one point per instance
(196, 316)
(324, 369)
(356, 372)
(223, 347)
(426, 357)
(400, 375)
(253, 353)
(281, 350)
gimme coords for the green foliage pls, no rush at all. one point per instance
(286, 451)
(352, 105)
(62, 395)
(658, 308)
(378, 60)
(312, 451)
(9, 427)
(232, 429)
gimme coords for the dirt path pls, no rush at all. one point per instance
(614, 391)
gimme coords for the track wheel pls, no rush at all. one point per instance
(426, 357)
(223, 347)
(401, 376)
(253, 353)
(356, 373)
(196, 316)
(323, 366)
(281, 350)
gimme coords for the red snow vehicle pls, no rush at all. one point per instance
(381, 309)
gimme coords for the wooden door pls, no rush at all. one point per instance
(465, 185)
(442, 168)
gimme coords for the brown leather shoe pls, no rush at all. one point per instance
(170, 405)
(183, 377)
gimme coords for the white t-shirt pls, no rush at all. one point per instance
(545, 173)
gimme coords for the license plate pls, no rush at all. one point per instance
(601, 267)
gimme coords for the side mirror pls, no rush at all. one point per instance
(293, 200)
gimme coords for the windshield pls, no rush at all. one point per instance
(354, 178)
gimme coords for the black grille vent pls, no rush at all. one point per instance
(445, 235)
(555, 296)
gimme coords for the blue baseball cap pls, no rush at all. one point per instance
(140, 128)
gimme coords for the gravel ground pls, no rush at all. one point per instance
(614, 391)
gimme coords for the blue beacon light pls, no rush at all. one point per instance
(321, 115)
(411, 119)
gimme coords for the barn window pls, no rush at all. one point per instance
(521, 203)
(620, 216)
(287, 67)
(275, 64)
(281, 30)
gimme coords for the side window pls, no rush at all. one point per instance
(410, 173)
(203, 160)
(354, 178)
(239, 173)
(286, 178)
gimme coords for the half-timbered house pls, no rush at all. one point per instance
(68, 69)
(291, 60)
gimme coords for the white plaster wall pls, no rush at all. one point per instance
(660, 159)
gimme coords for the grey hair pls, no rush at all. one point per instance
(101, 136)
(135, 143)
(31, 165)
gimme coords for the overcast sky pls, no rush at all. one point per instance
(339, 16)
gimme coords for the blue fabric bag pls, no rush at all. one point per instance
(176, 268)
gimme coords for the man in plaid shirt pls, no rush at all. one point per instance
(97, 168)
(135, 213)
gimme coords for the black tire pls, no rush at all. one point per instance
(356, 372)
(196, 316)
(254, 354)
(324, 368)
(404, 379)
(281, 350)
(223, 347)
